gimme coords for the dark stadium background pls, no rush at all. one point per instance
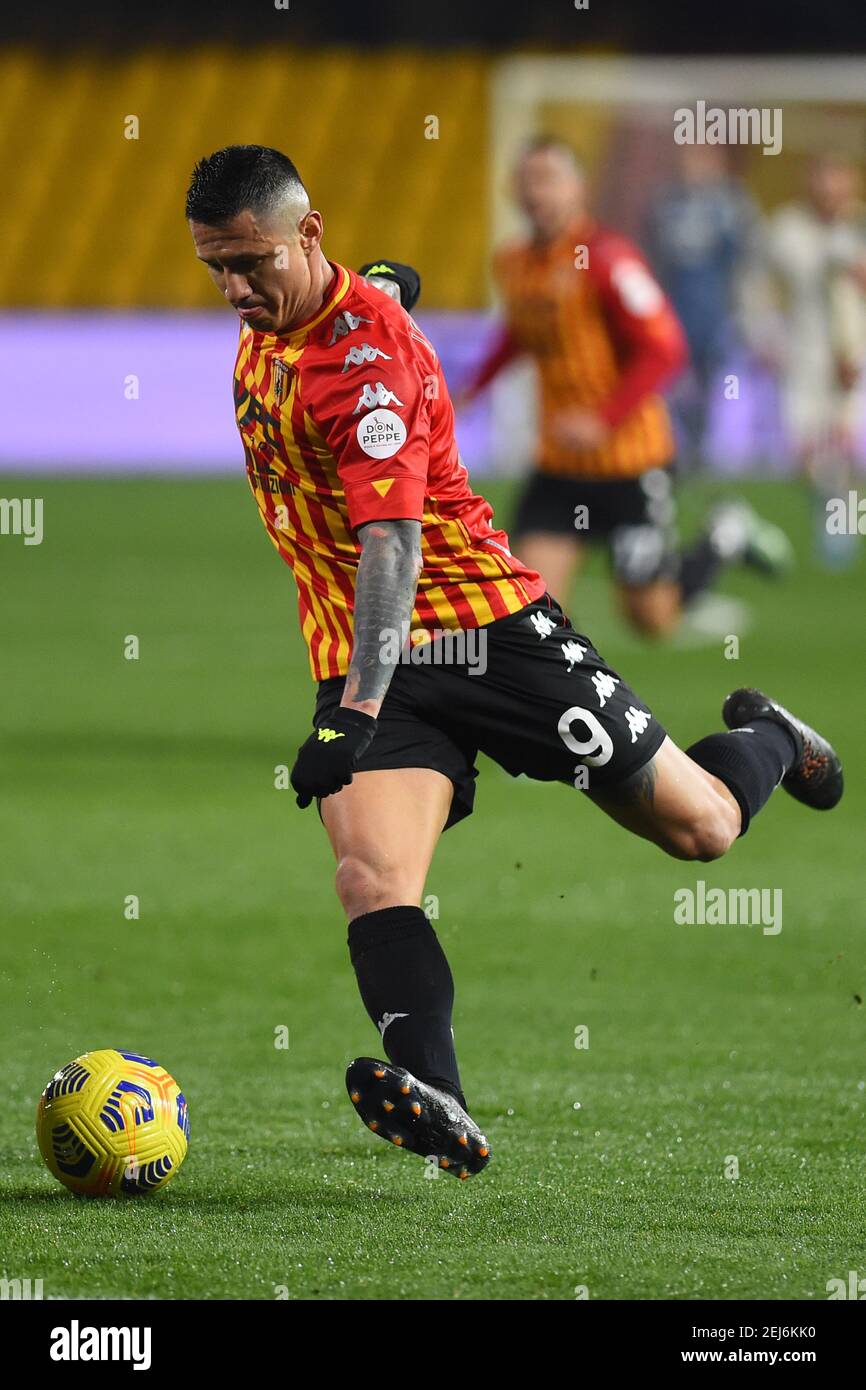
(767, 26)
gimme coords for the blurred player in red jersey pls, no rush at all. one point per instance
(580, 300)
(428, 638)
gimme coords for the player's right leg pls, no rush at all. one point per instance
(384, 827)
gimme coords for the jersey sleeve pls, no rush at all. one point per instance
(374, 413)
(649, 336)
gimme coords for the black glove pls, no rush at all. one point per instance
(326, 761)
(405, 276)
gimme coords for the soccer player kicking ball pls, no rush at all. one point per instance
(348, 433)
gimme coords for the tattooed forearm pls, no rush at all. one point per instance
(384, 598)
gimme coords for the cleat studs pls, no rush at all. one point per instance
(463, 1175)
(463, 1140)
(373, 1124)
(388, 1105)
(444, 1163)
(396, 1139)
(405, 1089)
(355, 1097)
(415, 1108)
(483, 1151)
(379, 1073)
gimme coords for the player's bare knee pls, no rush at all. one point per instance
(366, 886)
(707, 836)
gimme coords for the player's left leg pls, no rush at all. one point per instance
(549, 706)
(695, 804)
(676, 804)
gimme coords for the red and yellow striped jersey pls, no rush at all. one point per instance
(603, 337)
(347, 420)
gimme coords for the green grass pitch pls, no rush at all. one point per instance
(156, 778)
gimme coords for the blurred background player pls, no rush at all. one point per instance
(699, 230)
(804, 313)
(580, 300)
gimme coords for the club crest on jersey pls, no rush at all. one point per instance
(357, 356)
(280, 381)
(373, 396)
(345, 323)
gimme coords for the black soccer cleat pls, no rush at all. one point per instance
(412, 1115)
(815, 777)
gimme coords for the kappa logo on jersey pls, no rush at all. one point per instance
(371, 396)
(345, 323)
(380, 434)
(356, 356)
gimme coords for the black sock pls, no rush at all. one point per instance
(402, 971)
(699, 566)
(751, 765)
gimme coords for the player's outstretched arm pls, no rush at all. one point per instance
(388, 573)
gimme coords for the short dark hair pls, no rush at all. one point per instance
(238, 177)
(546, 144)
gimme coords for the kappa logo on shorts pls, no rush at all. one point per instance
(605, 686)
(573, 652)
(542, 624)
(637, 720)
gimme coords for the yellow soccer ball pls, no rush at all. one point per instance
(112, 1122)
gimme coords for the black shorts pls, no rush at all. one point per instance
(527, 690)
(634, 517)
